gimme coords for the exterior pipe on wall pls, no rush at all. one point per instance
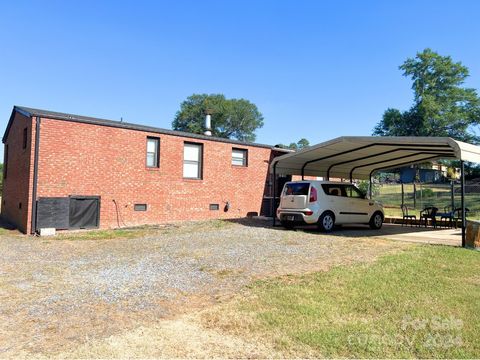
(35, 175)
(208, 123)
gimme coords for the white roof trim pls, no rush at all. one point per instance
(360, 155)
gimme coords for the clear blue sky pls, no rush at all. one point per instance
(316, 69)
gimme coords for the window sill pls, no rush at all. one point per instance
(152, 168)
(192, 180)
(239, 166)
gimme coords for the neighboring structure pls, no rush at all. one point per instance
(67, 171)
(447, 172)
(437, 173)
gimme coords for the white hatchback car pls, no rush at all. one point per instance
(327, 203)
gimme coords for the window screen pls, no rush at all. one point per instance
(192, 161)
(239, 157)
(153, 152)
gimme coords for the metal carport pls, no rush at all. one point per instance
(359, 157)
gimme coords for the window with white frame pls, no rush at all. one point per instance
(239, 157)
(192, 160)
(153, 147)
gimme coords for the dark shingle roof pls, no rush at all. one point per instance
(124, 125)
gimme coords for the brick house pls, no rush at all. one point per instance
(68, 171)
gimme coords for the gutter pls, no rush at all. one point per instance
(35, 176)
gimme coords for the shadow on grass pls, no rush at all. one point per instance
(7, 228)
(255, 222)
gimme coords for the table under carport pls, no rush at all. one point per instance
(360, 157)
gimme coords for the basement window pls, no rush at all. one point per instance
(214, 207)
(140, 207)
(239, 157)
(153, 152)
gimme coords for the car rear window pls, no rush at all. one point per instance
(297, 189)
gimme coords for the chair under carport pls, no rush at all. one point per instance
(360, 157)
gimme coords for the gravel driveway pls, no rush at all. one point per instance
(57, 294)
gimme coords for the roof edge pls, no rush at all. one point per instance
(10, 121)
(438, 147)
(30, 112)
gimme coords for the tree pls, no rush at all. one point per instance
(442, 107)
(231, 118)
(300, 144)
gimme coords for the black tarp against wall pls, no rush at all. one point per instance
(84, 212)
(74, 212)
(53, 212)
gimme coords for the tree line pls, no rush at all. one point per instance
(442, 106)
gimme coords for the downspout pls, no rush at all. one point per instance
(35, 176)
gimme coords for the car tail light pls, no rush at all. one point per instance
(313, 194)
(308, 213)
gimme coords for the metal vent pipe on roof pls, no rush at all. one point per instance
(208, 122)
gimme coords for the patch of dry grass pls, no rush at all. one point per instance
(9, 232)
(142, 231)
(183, 337)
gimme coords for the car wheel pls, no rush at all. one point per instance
(287, 225)
(326, 222)
(376, 221)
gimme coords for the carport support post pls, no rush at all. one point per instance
(274, 192)
(403, 195)
(462, 185)
(452, 195)
(414, 195)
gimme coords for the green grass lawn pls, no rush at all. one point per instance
(423, 302)
(391, 197)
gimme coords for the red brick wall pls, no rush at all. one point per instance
(85, 159)
(17, 185)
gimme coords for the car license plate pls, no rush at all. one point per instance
(291, 217)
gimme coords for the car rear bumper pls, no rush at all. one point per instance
(297, 217)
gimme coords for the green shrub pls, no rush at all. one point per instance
(425, 193)
(363, 187)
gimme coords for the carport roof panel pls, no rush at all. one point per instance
(358, 156)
